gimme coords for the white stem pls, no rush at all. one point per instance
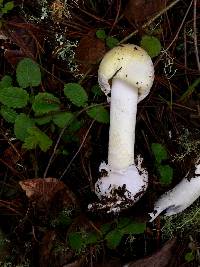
(122, 125)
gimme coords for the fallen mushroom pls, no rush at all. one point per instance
(180, 197)
(132, 74)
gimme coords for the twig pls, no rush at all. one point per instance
(77, 152)
(61, 134)
(195, 34)
(150, 21)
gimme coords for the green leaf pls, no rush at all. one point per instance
(92, 238)
(189, 256)
(43, 120)
(76, 94)
(113, 238)
(159, 151)
(7, 7)
(45, 103)
(99, 113)
(112, 42)
(76, 241)
(28, 73)
(96, 90)
(166, 174)
(134, 228)
(105, 228)
(63, 119)
(37, 137)
(6, 81)
(123, 222)
(8, 114)
(14, 97)
(101, 34)
(21, 126)
(151, 44)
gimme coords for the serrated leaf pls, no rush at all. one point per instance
(21, 126)
(112, 42)
(151, 44)
(159, 151)
(8, 114)
(37, 137)
(14, 97)
(101, 34)
(43, 120)
(6, 81)
(63, 119)
(76, 94)
(76, 241)
(99, 113)
(28, 73)
(166, 174)
(45, 103)
(134, 228)
(113, 238)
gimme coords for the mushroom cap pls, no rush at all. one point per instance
(129, 63)
(121, 189)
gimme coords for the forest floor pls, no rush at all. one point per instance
(53, 140)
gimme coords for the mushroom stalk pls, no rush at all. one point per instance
(123, 111)
(180, 197)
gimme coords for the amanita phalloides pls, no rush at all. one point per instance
(180, 197)
(129, 70)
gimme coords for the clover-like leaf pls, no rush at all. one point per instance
(113, 238)
(99, 113)
(159, 151)
(63, 119)
(21, 126)
(151, 44)
(5, 82)
(28, 73)
(8, 114)
(37, 138)
(76, 94)
(14, 97)
(45, 103)
(166, 174)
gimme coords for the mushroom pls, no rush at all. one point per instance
(132, 73)
(180, 197)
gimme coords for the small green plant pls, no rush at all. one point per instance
(110, 233)
(30, 111)
(5, 8)
(151, 44)
(109, 40)
(164, 170)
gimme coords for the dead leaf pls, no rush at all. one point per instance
(12, 154)
(25, 39)
(161, 258)
(139, 11)
(47, 191)
(89, 51)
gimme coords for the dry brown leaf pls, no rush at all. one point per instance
(138, 11)
(45, 191)
(89, 51)
(161, 258)
(12, 154)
